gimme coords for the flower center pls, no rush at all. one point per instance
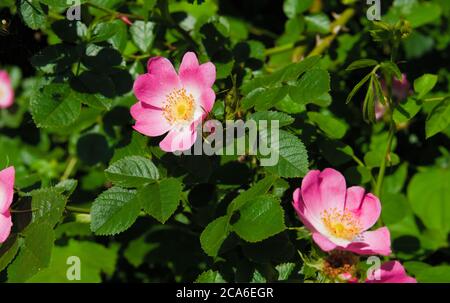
(341, 224)
(179, 106)
(339, 263)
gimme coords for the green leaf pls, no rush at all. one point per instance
(264, 98)
(423, 13)
(161, 199)
(293, 8)
(32, 14)
(142, 33)
(311, 86)
(103, 31)
(369, 102)
(390, 69)
(8, 251)
(214, 234)
(120, 38)
(282, 118)
(405, 111)
(424, 84)
(35, 253)
(373, 159)
(439, 118)
(258, 189)
(285, 270)
(286, 74)
(60, 4)
(137, 147)
(114, 211)
(57, 105)
(395, 208)
(94, 258)
(137, 249)
(133, 171)
(428, 195)
(210, 276)
(358, 87)
(260, 219)
(48, 205)
(66, 187)
(333, 127)
(318, 23)
(361, 63)
(289, 154)
(435, 274)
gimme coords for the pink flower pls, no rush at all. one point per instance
(173, 103)
(339, 217)
(401, 88)
(126, 20)
(380, 110)
(6, 90)
(6, 198)
(391, 272)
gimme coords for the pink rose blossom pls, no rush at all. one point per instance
(173, 103)
(339, 217)
(126, 20)
(401, 89)
(6, 90)
(6, 198)
(392, 272)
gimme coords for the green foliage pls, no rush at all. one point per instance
(34, 254)
(142, 34)
(424, 84)
(427, 194)
(161, 199)
(114, 211)
(56, 106)
(132, 171)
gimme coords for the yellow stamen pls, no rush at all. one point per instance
(179, 106)
(341, 224)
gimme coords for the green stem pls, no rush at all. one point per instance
(87, 211)
(382, 171)
(78, 210)
(113, 12)
(435, 99)
(335, 27)
(279, 49)
(69, 169)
